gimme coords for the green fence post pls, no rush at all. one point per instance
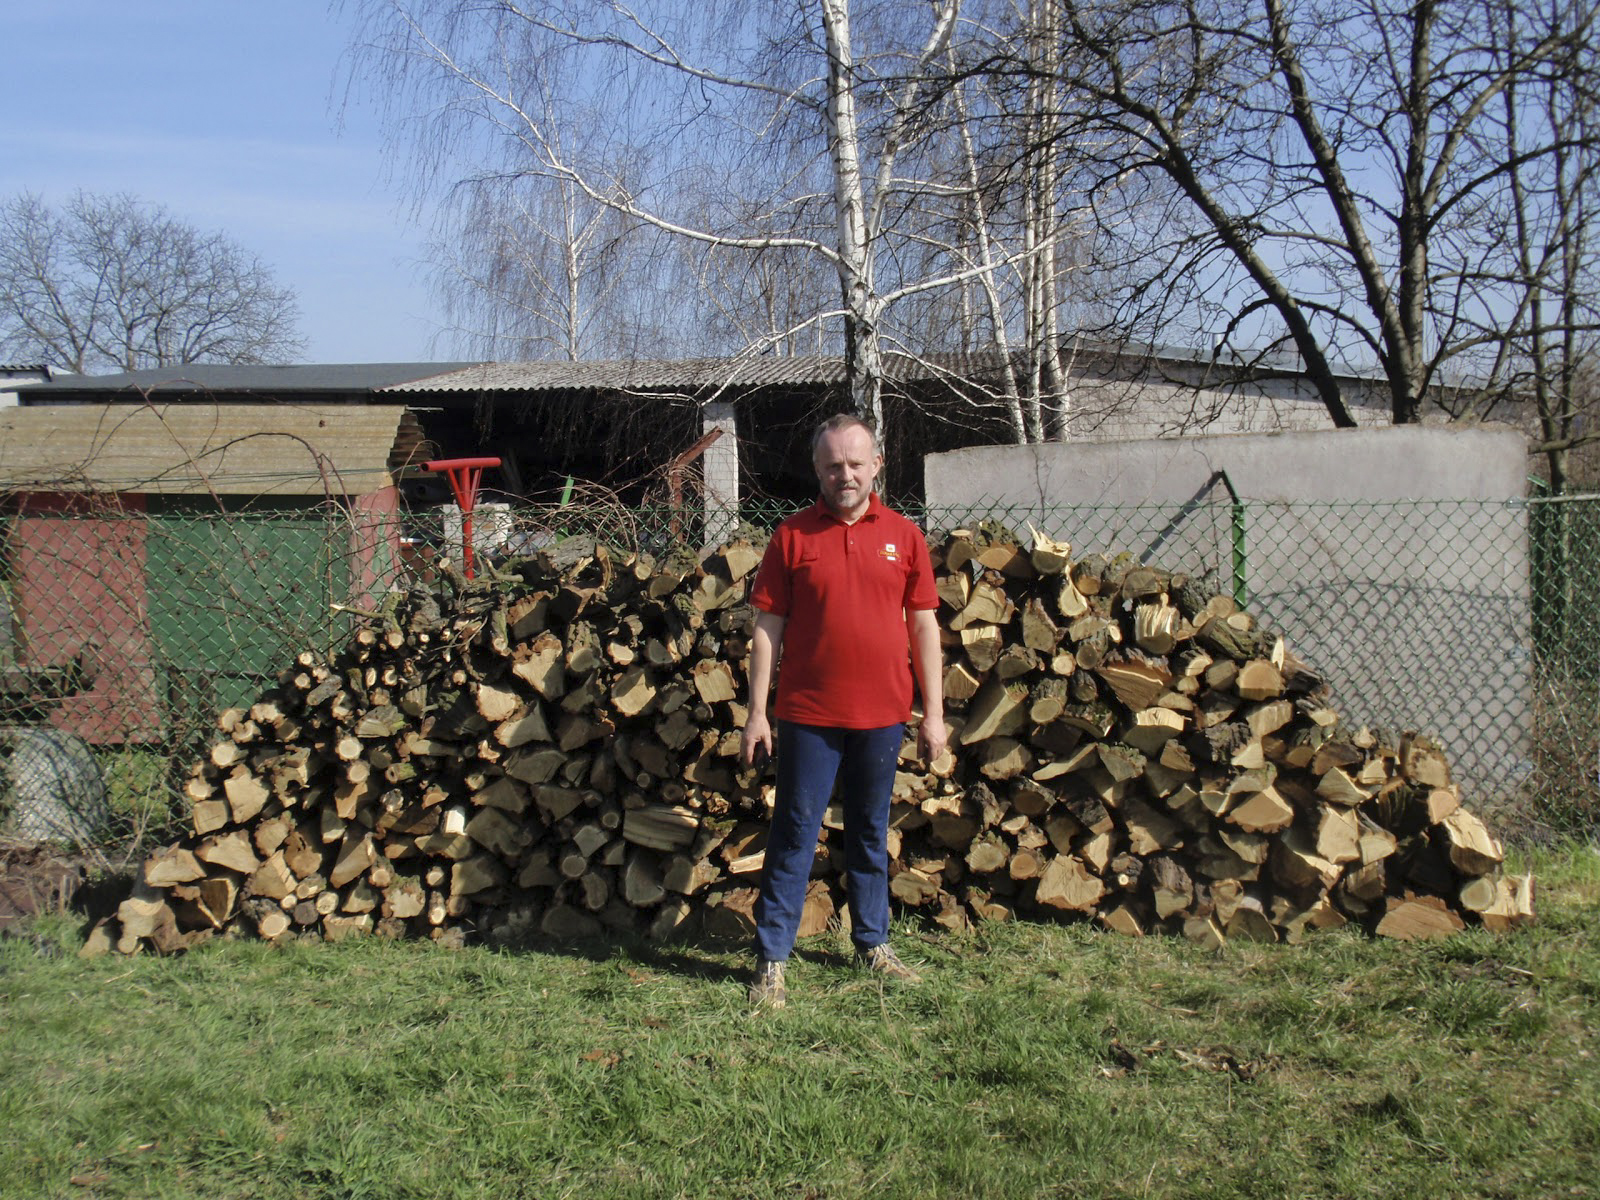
(1241, 590)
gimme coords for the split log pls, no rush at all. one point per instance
(564, 758)
(172, 865)
(914, 887)
(1512, 907)
(1264, 811)
(1138, 685)
(1473, 850)
(1258, 679)
(819, 911)
(986, 603)
(998, 709)
(232, 851)
(1068, 886)
(661, 827)
(1412, 918)
(1171, 887)
(1048, 556)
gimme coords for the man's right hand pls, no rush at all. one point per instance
(755, 743)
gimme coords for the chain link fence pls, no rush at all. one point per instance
(1564, 536)
(1420, 615)
(124, 633)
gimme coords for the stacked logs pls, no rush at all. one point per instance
(554, 750)
(1147, 753)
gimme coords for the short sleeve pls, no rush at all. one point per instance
(920, 592)
(771, 590)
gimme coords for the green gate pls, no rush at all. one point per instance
(232, 600)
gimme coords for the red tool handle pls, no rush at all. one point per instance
(464, 474)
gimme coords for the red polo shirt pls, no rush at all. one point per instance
(845, 591)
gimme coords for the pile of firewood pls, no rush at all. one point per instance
(553, 751)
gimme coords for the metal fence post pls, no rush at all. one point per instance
(1236, 528)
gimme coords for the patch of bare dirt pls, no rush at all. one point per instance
(42, 878)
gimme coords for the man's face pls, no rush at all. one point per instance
(846, 466)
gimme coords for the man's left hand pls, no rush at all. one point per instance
(932, 738)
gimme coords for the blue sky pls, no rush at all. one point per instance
(230, 114)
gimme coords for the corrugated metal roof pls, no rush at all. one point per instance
(189, 449)
(947, 365)
(692, 375)
(695, 376)
(689, 376)
(267, 380)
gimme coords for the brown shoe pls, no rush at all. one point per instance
(881, 960)
(768, 989)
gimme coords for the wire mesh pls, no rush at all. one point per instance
(1418, 614)
(128, 632)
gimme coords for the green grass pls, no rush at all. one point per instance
(1034, 1061)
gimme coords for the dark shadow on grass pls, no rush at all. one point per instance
(692, 959)
(694, 956)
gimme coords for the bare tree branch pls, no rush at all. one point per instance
(109, 282)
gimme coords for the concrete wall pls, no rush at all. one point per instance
(1182, 398)
(1394, 560)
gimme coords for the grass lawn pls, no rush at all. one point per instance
(1036, 1060)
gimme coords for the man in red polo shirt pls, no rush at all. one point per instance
(846, 592)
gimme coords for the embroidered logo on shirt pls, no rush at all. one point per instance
(888, 552)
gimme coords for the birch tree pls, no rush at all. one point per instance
(997, 220)
(718, 95)
(535, 269)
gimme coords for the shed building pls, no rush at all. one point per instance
(112, 539)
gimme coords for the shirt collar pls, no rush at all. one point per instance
(874, 508)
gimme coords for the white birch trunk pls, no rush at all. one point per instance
(986, 280)
(1052, 381)
(863, 367)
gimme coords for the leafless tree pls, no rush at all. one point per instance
(1005, 227)
(534, 269)
(1538, 285)
(777, 300)
(108, 282)
(1316, 176)
(1336, 183)
(811, 114)
(529, 266)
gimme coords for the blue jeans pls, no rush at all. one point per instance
(809, 759)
